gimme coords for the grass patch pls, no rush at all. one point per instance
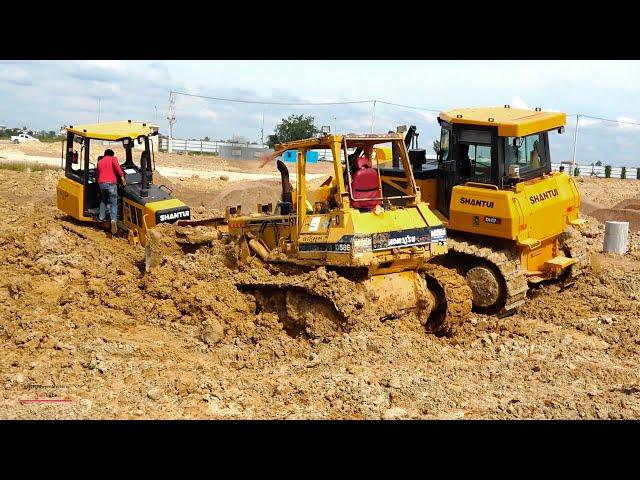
(26, 166)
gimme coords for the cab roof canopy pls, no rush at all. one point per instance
(511, 122)
(353, 140)
(114, 130)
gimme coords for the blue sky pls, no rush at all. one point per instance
(48, 94)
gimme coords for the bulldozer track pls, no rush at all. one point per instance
(457, 300)
(337, 292)
(573, 245)
(505, 261)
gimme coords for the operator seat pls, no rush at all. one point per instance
(365, 185)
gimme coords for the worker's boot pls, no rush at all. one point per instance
(114, 227)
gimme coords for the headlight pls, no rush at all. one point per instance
(360, 245)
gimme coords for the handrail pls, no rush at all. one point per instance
(488, 186)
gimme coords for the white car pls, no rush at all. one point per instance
(23, 137)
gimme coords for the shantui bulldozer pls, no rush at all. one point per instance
(510, 219)
(384, 245)
(141, 203)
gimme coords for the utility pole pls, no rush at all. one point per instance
(99, 109)
(172, 119)
(262, 129)
(575, 145)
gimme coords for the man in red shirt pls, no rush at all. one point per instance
(107, 171)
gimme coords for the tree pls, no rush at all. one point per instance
(598, 163)
(576, 172)
(436, 146)
(623, 173)
(294, 127)
(206, 139)
(607, 171)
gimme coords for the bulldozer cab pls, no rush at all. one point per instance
(85, 144)
(493, 146)
(355, 183)
(141, 204)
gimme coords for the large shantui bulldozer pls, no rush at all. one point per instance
(510, 219)
(141, 203)
(382, 244)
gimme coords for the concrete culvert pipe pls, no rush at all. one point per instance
(616, 236)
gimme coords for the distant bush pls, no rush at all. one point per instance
(26, 166)
(576, 172)
(638, 173)
(52, 139)
(623, 173)
(607, 171)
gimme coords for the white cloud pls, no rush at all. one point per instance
(429, 117)
(587, 122)
(13, 74)
(208, 113)
(518, 102)
(627, 126)
(115, 65)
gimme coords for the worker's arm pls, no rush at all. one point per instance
(119, 171)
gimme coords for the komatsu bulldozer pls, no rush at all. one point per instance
(141, 203)
(349, 227)
(509, 218)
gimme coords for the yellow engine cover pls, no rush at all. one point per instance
(70, 198)
(537, 210)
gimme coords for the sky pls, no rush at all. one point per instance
(49, 94)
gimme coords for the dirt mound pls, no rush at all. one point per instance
(628, 204)
(619, 215)
(247, 194)
(80, 320)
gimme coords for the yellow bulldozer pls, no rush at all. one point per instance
(510, 219)
(382, 244)
(141, 203)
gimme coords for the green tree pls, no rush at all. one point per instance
(576, 172)
(294, 127)
(607, 171)
(623, 173)
(436, 146)
(638, 173)
(598, 163)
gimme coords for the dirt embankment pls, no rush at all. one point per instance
(80, 320)
(612, 200)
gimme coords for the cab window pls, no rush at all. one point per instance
(444, 143)
(528, 153)
(473, 157)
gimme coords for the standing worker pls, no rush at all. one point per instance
(107, 172)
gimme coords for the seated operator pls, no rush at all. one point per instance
(464, 162)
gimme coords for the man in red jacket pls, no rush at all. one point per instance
(107, 170)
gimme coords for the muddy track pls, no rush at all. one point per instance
(346, 298)
(457, 299)
(574, 246)
(505, 261)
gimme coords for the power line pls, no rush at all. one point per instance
(290, 104)
(352, 102)
(409, 106)
(609, 120)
